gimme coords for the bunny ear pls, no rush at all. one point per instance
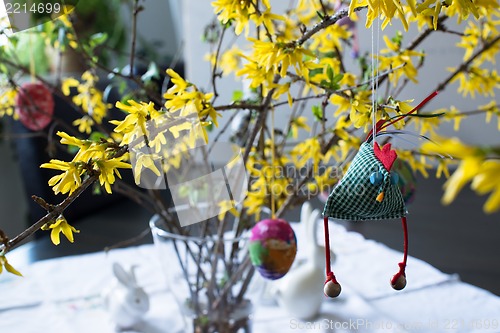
(315, 215)
(122, 275)
(305, 212)
(132, 274)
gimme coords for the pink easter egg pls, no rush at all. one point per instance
(272, 247)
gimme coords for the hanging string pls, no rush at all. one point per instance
(32, 59)
(377, 61)
(273, 158)
(372, 76)
(375, 51)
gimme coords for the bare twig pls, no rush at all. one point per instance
(258, 11)
(416, 42)
(259, 123)
(290, 199)
(134, 194)
(3, 238)
(133, 41)
(319, 85)
(130, 241)
(222, 131)
(323, 8)
(214, 69)
(472, 112)
(339, 57)
(234, 278)
(441, 86)
(299, 99)
(53, 213)
(327, 21)
(261, 120)
(399, 89)
(238, 106)
(324, 103)
(424, 34)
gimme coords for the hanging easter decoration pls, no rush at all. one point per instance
(369, 191)
(272, 247)
(34, 106)
(273, 244)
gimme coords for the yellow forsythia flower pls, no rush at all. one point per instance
(108, 169)
(488, 180)
(69, 180)
(8, 101)
(8, 267)
(84, 124)
(58, 227)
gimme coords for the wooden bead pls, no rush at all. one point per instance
(400, 283)
(332, 289)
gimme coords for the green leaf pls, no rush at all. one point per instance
(315, 71)
(96, 189)
(338, 77)
(3, 68)
(126, 98)
(398, 38)
(329, 73)
(97, 136)
(237, 95)
(227, 24)
(184, 191)
(98, 39)
(122, 87)
(324, 83)
(73, 149)
(317, 112)
(426, 115)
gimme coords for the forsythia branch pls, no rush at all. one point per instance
(466, 64)
(52, 213)
(327, 21)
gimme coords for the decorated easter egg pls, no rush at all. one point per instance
(272, 247)
(407, 181)
(34, 106)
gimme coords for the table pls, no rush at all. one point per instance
(64, 295)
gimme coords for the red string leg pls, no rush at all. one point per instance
(332, 287)
(398, 281)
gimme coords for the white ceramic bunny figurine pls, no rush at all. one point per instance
(125, 301)
(301, 291)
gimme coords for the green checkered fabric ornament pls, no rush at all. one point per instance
(368, 191)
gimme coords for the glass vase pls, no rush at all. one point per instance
(204, 274)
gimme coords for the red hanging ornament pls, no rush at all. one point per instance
(34, 106)
(272, 248)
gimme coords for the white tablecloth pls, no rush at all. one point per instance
(63, 296)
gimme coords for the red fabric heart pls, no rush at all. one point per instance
(386, 155)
